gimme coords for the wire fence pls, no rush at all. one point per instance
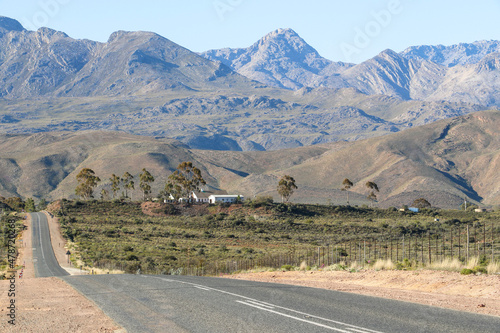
(462, 243)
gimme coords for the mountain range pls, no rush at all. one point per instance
(283, 59)
(278, 93)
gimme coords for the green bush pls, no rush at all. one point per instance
(480, 269)
(287, 267)
(466, 271)
(131, 257)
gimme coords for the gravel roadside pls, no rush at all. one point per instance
(48, 304)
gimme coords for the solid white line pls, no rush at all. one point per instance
(271, 305)
(296, 318)
(40, 235)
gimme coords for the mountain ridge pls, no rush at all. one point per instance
(143, 83)
(415, 73)
(437, 161)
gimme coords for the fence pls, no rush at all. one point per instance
(462, 243)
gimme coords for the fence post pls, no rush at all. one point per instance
(492, 245)
(467, 260)
(364, 252)
(484, 239)
(430, 256)
(403, 257)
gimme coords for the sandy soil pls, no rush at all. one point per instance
(49, 304)
(478, 294)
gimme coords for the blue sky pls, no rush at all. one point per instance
(340, 30)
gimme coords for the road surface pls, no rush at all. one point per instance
(148, 303)
(44, 259)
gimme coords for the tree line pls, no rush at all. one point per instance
(185, 179)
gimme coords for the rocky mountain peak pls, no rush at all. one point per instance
(453, 55)
(489, 63)
(48, 34)
(285, 41)
(122, 34)
(9, 24)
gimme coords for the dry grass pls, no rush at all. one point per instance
(493, 267)
(447, 264)
(336, 267)
(473, 262)
(382, 264)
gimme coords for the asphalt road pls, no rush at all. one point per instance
(146, 303)
(44, 260)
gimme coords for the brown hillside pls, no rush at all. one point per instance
(443, 162)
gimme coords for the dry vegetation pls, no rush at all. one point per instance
(214, 239)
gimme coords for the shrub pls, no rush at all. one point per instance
(466, 271)
(287, 267)
(479, 269)
(131, 257)
(171, 210)
(132, 268)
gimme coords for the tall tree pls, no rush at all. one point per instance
(372, 187)
(128, 183)
(187, 177)
(346, 185)
(104, 194)
(29, 205)
(87, 181)
(421, 203)
(286, 187)
(145, 179)
(42, 204)
(173, 189)
(115, 184)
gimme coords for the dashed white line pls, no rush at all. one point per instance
(202, 288)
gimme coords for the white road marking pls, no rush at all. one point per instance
(296, 318)
(40, 235)
(203, 288)
(269, 305)
(355, 330)
(260, 304)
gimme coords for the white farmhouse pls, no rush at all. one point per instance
(224, 198)
(203, 195)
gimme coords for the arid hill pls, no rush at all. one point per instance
(443, 162)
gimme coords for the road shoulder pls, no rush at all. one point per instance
(48, 304)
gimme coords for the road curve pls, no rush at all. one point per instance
(44, 259)
(146, 303)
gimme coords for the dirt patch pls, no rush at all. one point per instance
(49, 304)
(478, 294)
